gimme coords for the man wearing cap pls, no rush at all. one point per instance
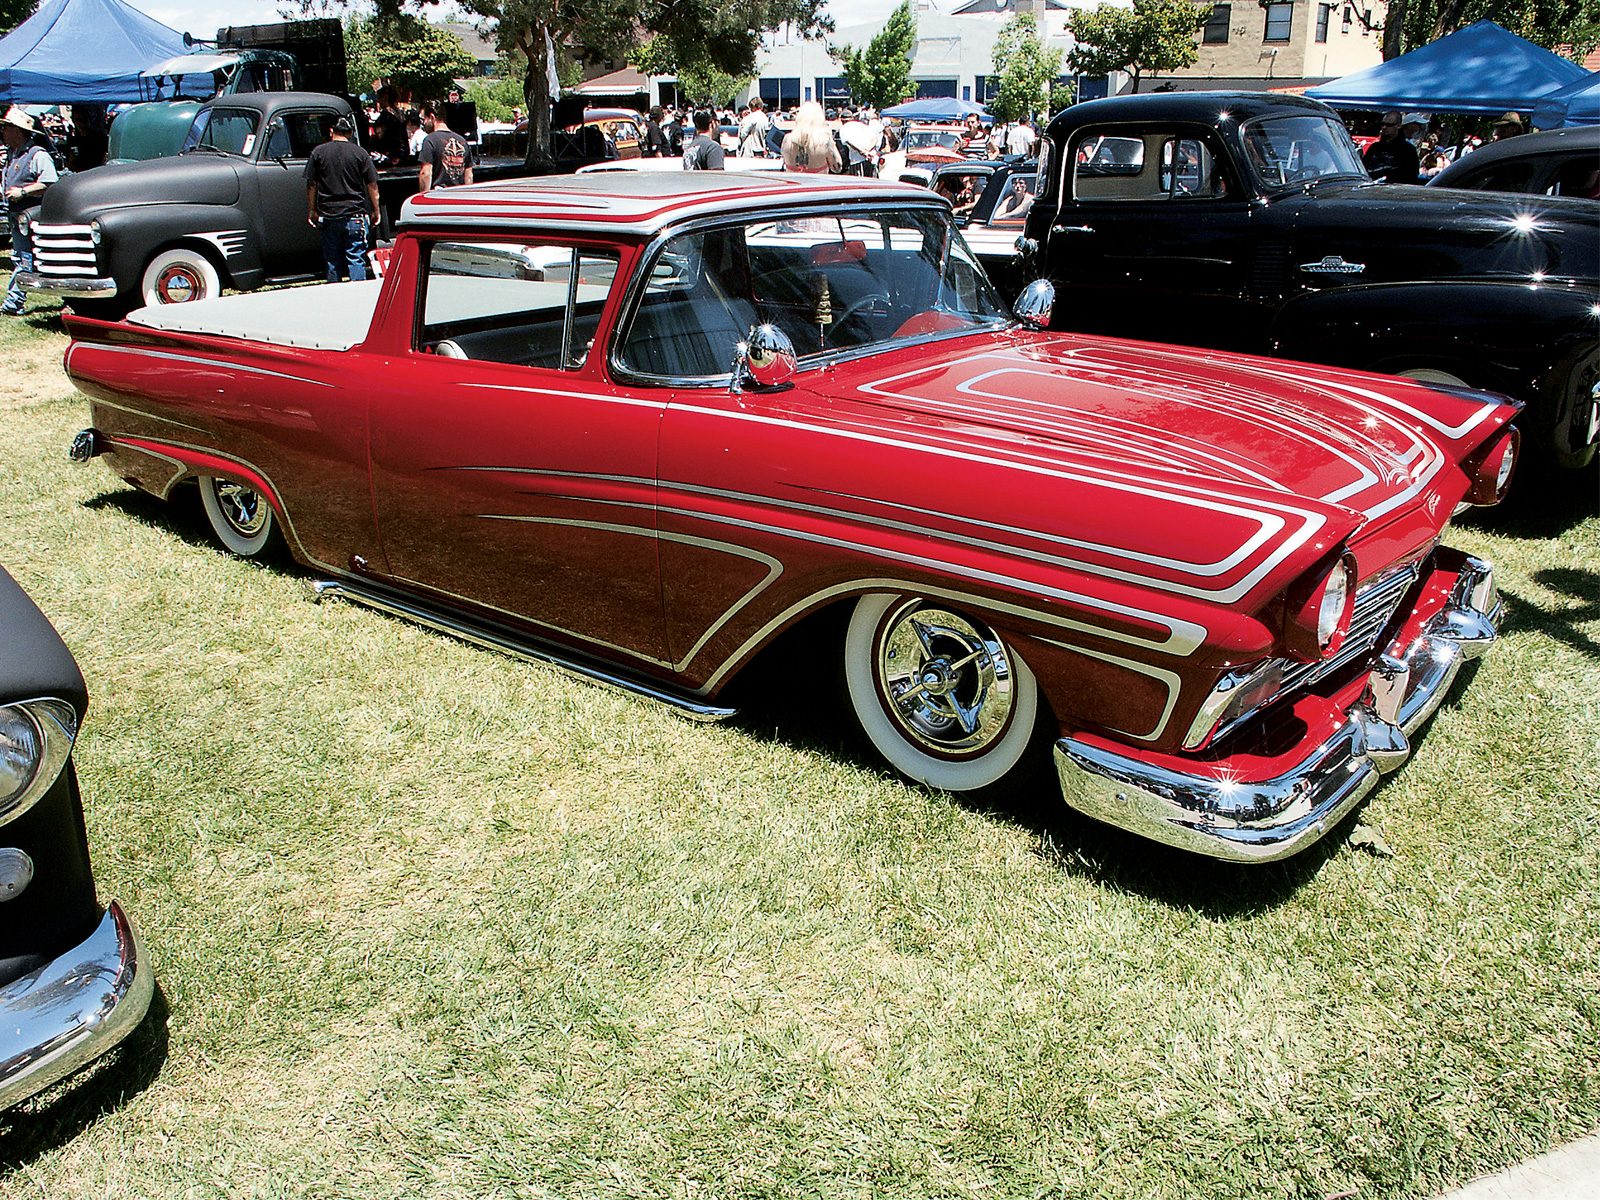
(1392, 159)
(29, 171)
(1508, 126)
(341, 195)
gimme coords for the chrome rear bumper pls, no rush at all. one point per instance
(80, 286)
(58, 1019)
(1270, 819)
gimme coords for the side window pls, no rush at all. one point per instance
(1154, 166)
(307, 131)
(277, 140)
(1503, 177)
(529, 304)
(1580, 177)
(1012, 208)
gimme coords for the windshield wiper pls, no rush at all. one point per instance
(207, 146)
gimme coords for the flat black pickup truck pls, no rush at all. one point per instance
(1247, 222)
(228, 211)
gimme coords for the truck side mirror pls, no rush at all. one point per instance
(1034, 305)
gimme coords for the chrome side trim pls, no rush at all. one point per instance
(1262, 821)
(58, 1019)
(697, 710)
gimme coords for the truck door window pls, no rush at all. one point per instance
(1112, 167)
(524, 303)
(230, 129)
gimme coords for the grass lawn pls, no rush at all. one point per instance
(432, 922)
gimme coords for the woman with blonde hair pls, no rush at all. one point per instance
(809, 146)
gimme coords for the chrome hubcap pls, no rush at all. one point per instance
(178, 285)
(242, 508)
(945, 680)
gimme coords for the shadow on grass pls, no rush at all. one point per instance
(180, 515)
(1541, 505)
(1562, 623)
(70, 1107)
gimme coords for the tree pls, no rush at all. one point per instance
(1570, 26)
(1026, 69)
(1154, 35)
(880, 74)
(15, 12)
(699, 84)
(406, 51)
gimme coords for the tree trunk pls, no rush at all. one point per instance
(1135, 73)
(536, 90)
(1394, 30)
(1449, 18)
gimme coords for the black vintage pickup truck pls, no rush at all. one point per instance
(227, 211)
(1247, 222)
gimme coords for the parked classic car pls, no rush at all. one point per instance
(726, 403)
(73, 979)
(1245, 221)
(1559, 162)
(228, 211)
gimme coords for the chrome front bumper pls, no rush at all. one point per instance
(60, 1018)
(79, 286)
(1271, 819)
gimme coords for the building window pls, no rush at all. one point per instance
(1215, 31)
(1324, 12)
(1349, 16)
(1279, 18)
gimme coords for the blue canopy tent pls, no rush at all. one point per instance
(936, 108)
(1481, 68)
(82, 52)
(1576, 104)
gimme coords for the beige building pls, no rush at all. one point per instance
(1251, 45)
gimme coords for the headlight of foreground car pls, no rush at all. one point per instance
(35, 740)
(1491, 474)
(1319, 612)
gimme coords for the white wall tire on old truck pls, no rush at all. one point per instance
(240, 518)
(179, 275)
(938, 694)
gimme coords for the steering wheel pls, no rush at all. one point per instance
(859, 304)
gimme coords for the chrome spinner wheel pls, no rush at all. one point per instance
(240, 516)
(937, 692)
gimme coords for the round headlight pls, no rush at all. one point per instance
(23, 223)
(95, 231)
(35, 741)
(21, 750)
(1331, 610)
(1508, 460)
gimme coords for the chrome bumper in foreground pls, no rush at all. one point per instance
(68, 285)
(1271, 819)
(58, 1019)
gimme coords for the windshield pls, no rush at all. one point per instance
(923, 139)
(229, 129)
(1294, 151)
(832, 283)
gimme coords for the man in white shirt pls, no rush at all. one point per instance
(1020, 139)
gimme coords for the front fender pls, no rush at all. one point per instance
(1500, 335)
(131, 236)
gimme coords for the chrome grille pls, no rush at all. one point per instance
(64, 250)
(1375, 606)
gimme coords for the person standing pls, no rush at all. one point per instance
(445, 156)
(341, 197)
(1509, 126)
(29, 170)
(1020, 139)
(753, 130)
(705, 152)
(655, 144)
(809, 147)
(1391, 159)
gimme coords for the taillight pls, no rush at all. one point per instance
(1319, 611)
(1491, 473)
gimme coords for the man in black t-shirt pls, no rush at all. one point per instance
(1392, 159)
(341, 195)
(445, 156)
(705, 153)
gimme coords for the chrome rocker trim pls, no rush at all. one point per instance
(696, 710)
(1276, 818)
(68, 285)
(57, 1020)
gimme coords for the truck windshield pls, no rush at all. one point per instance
(1299, 150)
(232, 130)
(848, 282)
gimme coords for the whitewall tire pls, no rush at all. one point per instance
(178, 276)
(241, 519)
(937, 693)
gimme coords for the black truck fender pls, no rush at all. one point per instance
(134, 235)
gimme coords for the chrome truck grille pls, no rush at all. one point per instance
(1375, 606)
(64, 250)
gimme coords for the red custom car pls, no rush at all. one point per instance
(642, 425)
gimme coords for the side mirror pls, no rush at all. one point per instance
(765, 360)
(1034, 305)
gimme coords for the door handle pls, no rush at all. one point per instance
(1072, 229)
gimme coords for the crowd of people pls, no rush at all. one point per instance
(1412, 149)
